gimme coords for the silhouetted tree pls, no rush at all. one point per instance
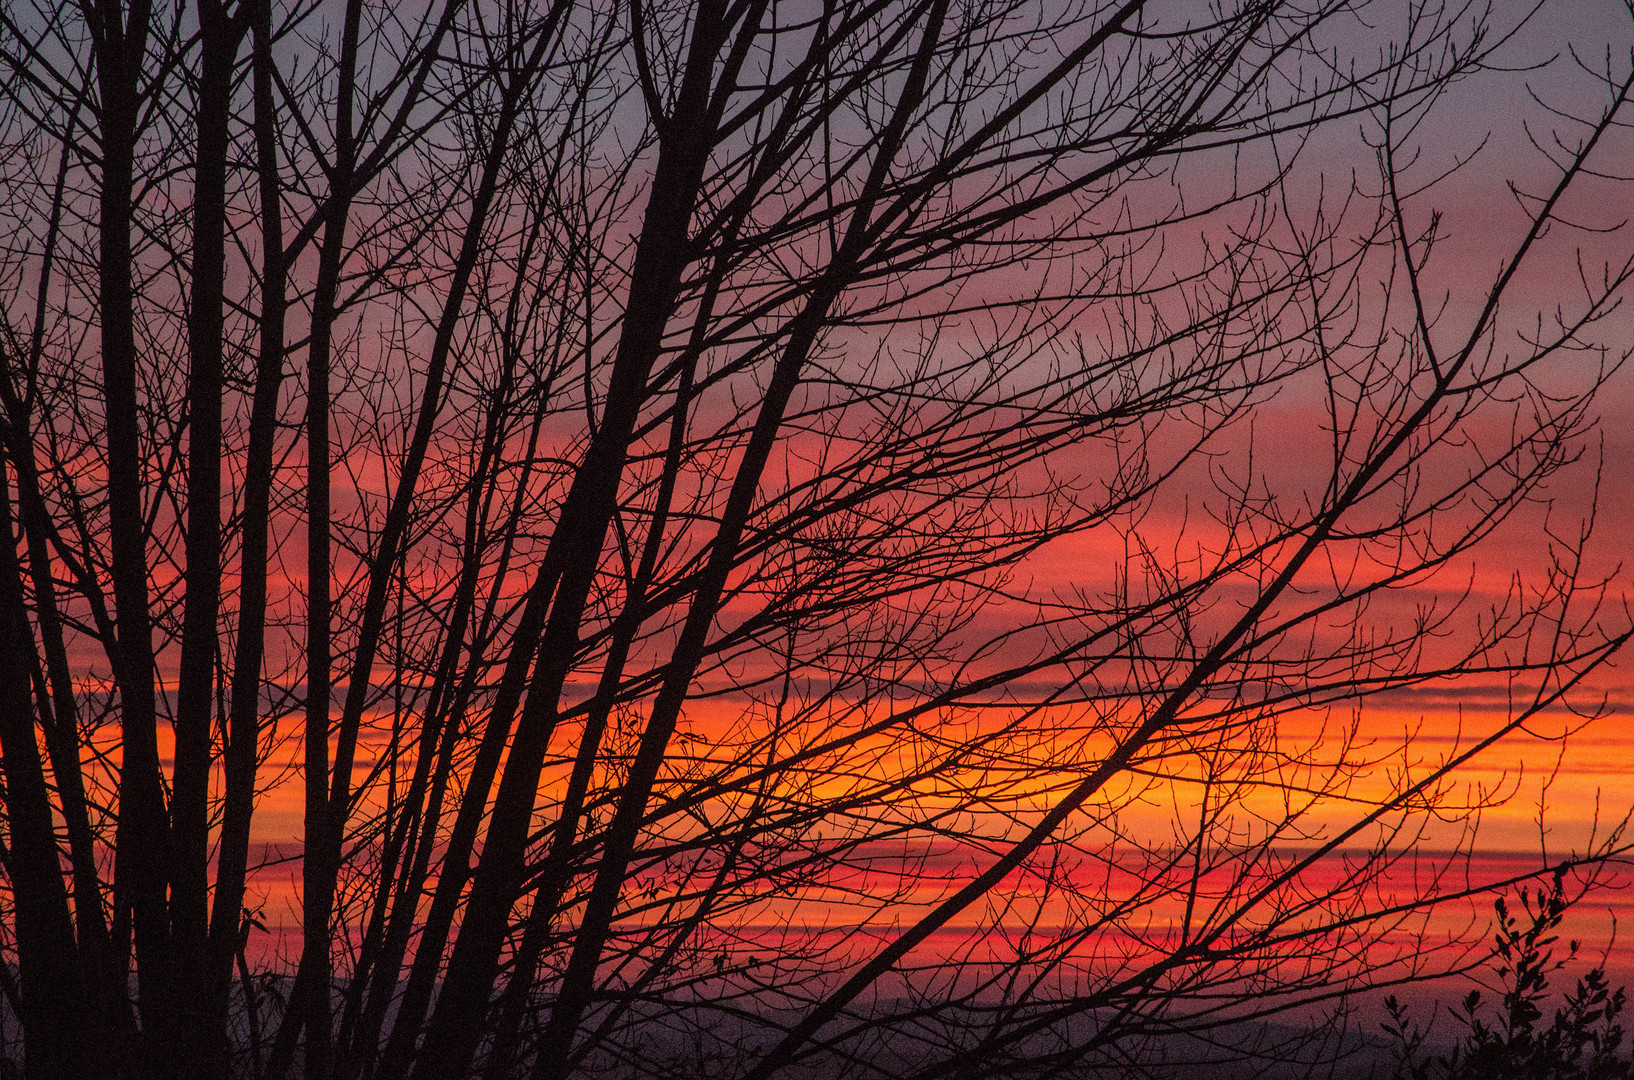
(598, 460)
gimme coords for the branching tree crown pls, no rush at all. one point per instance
(705, 534)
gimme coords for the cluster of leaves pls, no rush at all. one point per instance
(1506, 1038)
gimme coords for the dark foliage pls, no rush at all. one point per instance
(1504, 1037)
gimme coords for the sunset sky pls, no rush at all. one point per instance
(987, 524)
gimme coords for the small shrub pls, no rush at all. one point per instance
(1506, 1039)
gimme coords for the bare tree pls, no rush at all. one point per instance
(746, 528)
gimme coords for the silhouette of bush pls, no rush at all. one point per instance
(1506, 1038)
